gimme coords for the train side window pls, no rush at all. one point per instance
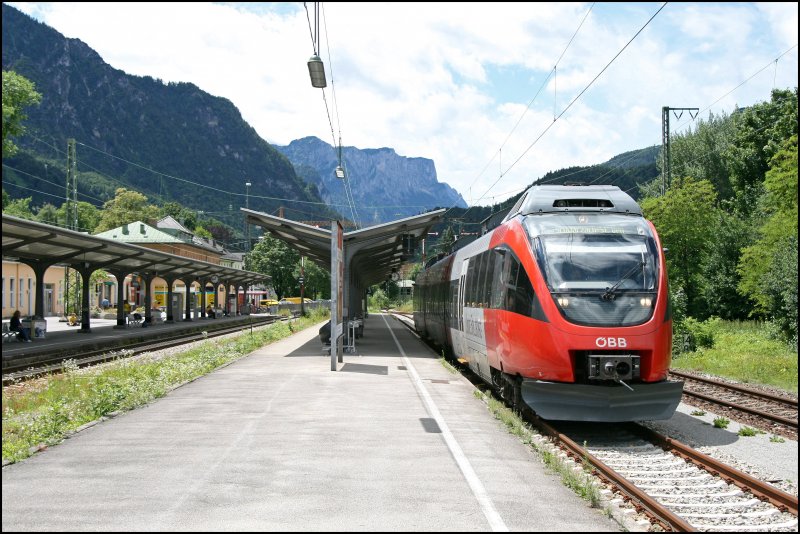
(523, 295)
(469, 283)
(454, 300)
(477, 286)
(488, 265)
(496, 281)
(474, 272)
(481, 296)
(515, 288)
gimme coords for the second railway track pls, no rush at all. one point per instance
(53, 362)
(761, 410)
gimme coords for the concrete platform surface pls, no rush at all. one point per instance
(391, 441)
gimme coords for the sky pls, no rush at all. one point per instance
(495, 94)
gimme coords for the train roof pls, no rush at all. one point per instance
(565, 198)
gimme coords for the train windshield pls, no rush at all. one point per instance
(601, 268)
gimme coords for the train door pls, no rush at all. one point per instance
(457, 334)
(461, 292)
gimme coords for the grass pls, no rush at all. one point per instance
(51, 407)
(747, 431)
(721, 422)
(745, 352)
(406, 306)
(578, 481)
(447, 365)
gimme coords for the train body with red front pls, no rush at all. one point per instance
(564, 306)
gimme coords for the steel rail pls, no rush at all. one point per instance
(775, 398)
(776, 418)
(762, 490)
(641, 499)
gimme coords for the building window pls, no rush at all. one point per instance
(11, 291)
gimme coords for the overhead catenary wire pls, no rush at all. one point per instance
(574, 100)
(347, 186)
(45, 180)
(694, 119)
(499, 152)
(197, 184)
(621, 164)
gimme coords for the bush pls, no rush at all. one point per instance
(378, 300)
(693, 334)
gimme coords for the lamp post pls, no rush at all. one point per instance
(302, 287)
(247, 205)
(247, 251)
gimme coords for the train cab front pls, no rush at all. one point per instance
(608, 311)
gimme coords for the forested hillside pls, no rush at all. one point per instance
(171, 142)
(729, 217)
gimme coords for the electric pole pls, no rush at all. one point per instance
(666, 171)
(71, 209)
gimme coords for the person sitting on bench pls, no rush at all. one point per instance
(16, 326)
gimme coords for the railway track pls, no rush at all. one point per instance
(54, 363)
(675, 486)
(678, 487)
(760, 410)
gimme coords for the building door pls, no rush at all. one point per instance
(49, 289)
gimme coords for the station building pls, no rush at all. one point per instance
(168, 235)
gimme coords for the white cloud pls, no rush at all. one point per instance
(424, 78)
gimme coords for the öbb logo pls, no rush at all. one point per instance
(611, 342)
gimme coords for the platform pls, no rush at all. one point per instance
(390, 441)
(71, 341)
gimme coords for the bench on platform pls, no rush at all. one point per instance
(7, 332)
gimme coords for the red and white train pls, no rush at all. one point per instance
(564, 307)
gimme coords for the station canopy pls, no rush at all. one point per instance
(35, 242)
(373, 253)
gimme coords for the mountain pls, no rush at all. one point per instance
(384, 185)
(203, 150)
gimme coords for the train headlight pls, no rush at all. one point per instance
(563, 301)
(646, 302)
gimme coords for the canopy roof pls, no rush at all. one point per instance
(35, 242)
(373, 252)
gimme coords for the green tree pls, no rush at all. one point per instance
(686, 219)
(126, 207)
(414, 271)
(768, 273)
(378, 299)
(446, 240)
(273, 257)
(318, 281)
(48, 214)
(760, 132)
(701, 153)
(20, 207)
(185, 216)
(721, 277)
(199, 231)
(88, 216)
(18, 93)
